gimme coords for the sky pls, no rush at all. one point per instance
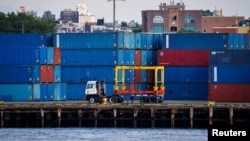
(126, 10)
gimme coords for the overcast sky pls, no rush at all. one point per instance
(125, 10)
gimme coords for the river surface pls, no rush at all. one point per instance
(102, 134)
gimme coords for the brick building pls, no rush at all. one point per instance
(174, 17)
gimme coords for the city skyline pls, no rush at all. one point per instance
(125, 10)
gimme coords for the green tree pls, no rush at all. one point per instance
(22, 23)
(124, 24)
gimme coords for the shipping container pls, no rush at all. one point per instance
(229, 57)
(16, 74)
(16, 92)
(50, 55)
(36, 74)
(30, 40)
(183, 57)
(46, 91)
(46, 73)
(247, 41)
(137, 57)
(138, 77)
(71, 74)
(129, 57)
(144, 57)
(87, 40)
(129, 40)
(93, 57)
(229, 92)
(146, 41)
(187, 75)
(57, 56)
(43, 55)
(180, 91)
(60, 90)
(120, 55)
(157, 41)
(57, 73)
(228, 74)
(236, 41)
(137, 40)
(36, 92)
(75, 91)
(195, 41)
(19, 55)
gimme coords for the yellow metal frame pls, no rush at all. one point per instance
(155, 68)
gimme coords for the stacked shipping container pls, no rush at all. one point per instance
(44, 67)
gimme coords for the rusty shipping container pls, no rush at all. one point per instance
(57, 56)
(183, 57)
(137, 57)
(47, 73)
(229, 92)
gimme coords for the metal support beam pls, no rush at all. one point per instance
(191, 115)
(210, 114)
(59, 112)
(42, 117)
(231, 113)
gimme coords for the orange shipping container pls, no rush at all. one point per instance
(57, 56)
(46, 73)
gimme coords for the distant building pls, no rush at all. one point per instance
(49, 15)
(69, 15)
(84, 14)
(22, 10)
(173, 17)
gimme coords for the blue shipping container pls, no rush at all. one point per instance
(90, 57)
(71, 74)
(16, 92)
(137, 40)
(195, 41)
(46, 91)
(75, 91)
(36, 74)
(19, 56)
(50, 55)
(16, 74)
(229, 57)
(60, 90)
(36, 92)
(86, 40)
(57, 73)
(30, 40)
(236, 41)
(229, 74)
(175, 91)
(186, 75)
(129, 40)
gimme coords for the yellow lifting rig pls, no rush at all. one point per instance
(155, 95)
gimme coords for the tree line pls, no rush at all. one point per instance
(23, 23)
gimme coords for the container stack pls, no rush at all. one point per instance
(21, 56)
(55, 67)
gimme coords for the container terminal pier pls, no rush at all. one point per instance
(169, 114)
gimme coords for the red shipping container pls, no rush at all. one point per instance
(229, 92)
(57, 56)
(46, 73)
(137, 76)
(183, 57)
(150, 76)
(43, 73)
(137, 57)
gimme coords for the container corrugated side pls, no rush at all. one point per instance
(46, 73)
(19, 55)
(229, 92)
(236, 41)
(16, 74)
(43, 55)
(186, 74)
(137, 40)
(46, 91)
(129, 40)
(195, 41)
(57, 73)
(16, 92)
(180, 91)
(71, 74)
(137, 57)
(228, 74)
(36, 92)
(90, 57)
(229, 57)
(50, 55)
(181, 57)
(128, 57)
(247, 41)
(60, 90)
(75, 91)
(57, 56)
(85, 40)
(30, 40)
(36, 74)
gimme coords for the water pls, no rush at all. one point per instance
(102, 134)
